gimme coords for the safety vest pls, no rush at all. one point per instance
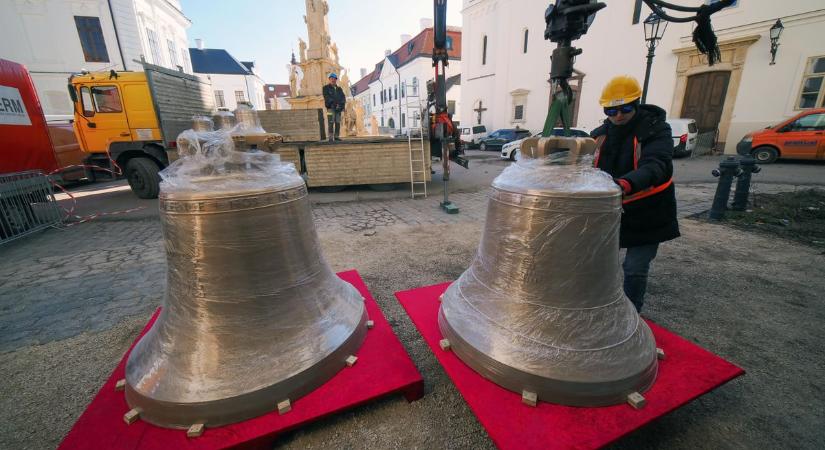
(637, 153)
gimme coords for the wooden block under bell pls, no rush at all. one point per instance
(445, 344)
(195, 430)
(636, 400)
(120, 385)
(660, 353)
(351, 360)
(370, 324)
(132, 416)
(529, 398)
(284, 407)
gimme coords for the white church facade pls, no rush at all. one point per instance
(506, 65)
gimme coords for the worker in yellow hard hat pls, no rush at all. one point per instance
(635, 147)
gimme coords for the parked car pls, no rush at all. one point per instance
(498, 138)
(511, 150)
(471, 136)
(800, 137)
(684, 136)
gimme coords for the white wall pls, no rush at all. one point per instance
(251, 86)
(43, 36)
(614, 46)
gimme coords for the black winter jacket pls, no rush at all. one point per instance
(651, 219)
(334, 98)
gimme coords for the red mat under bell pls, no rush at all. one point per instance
(383, 368)
(687, 373)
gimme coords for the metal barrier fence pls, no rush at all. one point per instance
(27, 204)
(705, 143)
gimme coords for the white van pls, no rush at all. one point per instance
(684, 136)
(471, 136)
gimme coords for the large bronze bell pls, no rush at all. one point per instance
(252, 315)
(541, 309)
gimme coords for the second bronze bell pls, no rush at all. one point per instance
(541, 308)
(253, 315)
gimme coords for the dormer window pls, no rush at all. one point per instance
(410, 47)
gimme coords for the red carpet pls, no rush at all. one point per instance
(687, 372)
(383, 368)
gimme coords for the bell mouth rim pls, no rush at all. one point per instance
(254, 402)
(550, 390)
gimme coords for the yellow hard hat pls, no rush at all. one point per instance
(620, 90)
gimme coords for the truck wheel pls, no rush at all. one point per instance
(143, 177)
(765, 155)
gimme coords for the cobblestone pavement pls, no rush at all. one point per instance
(88, 277)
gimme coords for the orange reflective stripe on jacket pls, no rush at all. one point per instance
(637, 154)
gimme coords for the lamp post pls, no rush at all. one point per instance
(654, 30)
(775, 32)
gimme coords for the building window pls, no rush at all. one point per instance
(382, 121)
(184, 55)
(396, 92)
(173, 54)
(91, 39)
(403, 120)
(449, 43)
(484, 50)
(219, 100)
(403, 88)
(239, 97)
(518, 112)
(373, 100)
(410, 47)
(153, 47)
(450, 106)
(812, 92)
(526, 35)
(415, 86)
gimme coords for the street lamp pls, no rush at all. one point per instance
(654, 30)
(775, 32)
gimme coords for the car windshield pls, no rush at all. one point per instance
(465, 131)
(479, 129)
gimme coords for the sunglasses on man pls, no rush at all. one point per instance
(625, 109)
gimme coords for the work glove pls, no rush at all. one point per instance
(624, 184)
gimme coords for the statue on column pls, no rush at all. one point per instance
(334, 49)
(302, 48)
(293, 80)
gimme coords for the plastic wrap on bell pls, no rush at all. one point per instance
(541, 308)
(224, 120)
(247, 121)
(202, 123)
(252, 315)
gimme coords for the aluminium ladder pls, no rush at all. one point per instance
(418, 163)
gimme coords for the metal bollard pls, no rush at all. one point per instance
(743, 183)
(728, 168)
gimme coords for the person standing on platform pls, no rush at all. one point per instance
(635, 147)
(335, 101)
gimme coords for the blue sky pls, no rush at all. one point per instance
(267, 31)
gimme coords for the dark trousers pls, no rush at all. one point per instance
(636, 267)
(334, 118)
